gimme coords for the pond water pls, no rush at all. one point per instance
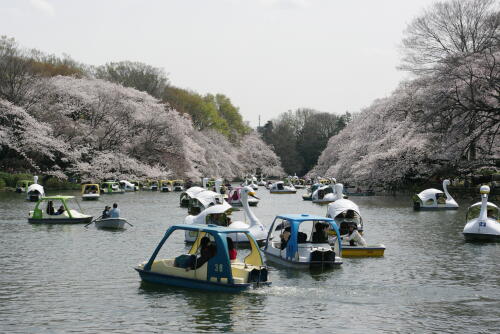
(65, 278)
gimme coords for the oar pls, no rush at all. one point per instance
(92, 222)
(129, 223)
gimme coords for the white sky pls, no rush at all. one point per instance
(268, 56)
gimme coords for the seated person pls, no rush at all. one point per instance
(105, 212)
(319, 235)
(301, 238)
(285, 236)
(50, 208)
(207, 251)
(232, 251)
(60, 211)
(353, 236)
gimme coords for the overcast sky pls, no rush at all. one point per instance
(268, 56)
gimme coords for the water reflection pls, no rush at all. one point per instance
(210, 311)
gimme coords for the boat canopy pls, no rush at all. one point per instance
(218, 209)
(492, 211)
(429, 194)
(294, 221)
(340, 206)
(193, 191)
(208, 197)
(222, 267)
(56, 198)
(36, 187)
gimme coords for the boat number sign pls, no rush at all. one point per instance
(218, 267)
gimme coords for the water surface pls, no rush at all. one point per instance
(70, 278)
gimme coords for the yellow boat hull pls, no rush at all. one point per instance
(368, 251)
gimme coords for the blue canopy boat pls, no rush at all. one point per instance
(304, 241)
(218, 273)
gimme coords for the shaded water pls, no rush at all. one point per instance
(70, 278)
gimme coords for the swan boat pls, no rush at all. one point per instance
(219, 215)
(188, 194)
(111, 187)
(127, 186)
(90, 192)
(483, 220)
(328, 193)
(111, 223)
(345, 213)
(22, 185)
(69, 216)
(280, 188)
(234, 198)
(34, 191)
(203, 200)
(434, 199)
(306, 243)
(308, 196)
(217, 273)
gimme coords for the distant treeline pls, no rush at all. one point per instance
(120, 120)
(298, 137)
(442, 123)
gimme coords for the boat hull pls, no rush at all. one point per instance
(368, 251)
(481, 237)
(301, 265)
(90, 198)
(194, 284)
(111, 223)
(424, 208)
(85, 220)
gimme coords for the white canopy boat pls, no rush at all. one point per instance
(34, 191)
(328, 193)
(188, 194)
(219, 215)
(127, 186)
(434, 199)
(483, 220)
(280, 188)
(346, 213)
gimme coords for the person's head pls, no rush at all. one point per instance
(115, 205)
(288, 229)
(61, 207)
(230, 243)
(319, 226)
(351, 227)
(204, 242)
(51, 203)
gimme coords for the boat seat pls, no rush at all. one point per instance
(167, 267)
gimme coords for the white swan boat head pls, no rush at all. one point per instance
(434, 199)
(482, 220)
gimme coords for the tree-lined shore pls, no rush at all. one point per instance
(120, 120)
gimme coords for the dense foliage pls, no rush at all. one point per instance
(299, 137)
(95, 129)
(443, 122)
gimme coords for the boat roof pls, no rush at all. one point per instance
(479, 204)
(36, 186)
(429, 193)
(194, 190)
(341, 205)
(303, 217)
(56, 197)
(209, 228)
(90, 184)
(218, 208)
(206, 197)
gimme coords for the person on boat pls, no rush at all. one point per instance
(353, 236)
(319, 235)
(105, 212)
(232, 251)
(285, 236)
(50, 208)
(115, 212)
(207, 251)
(60, 211)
